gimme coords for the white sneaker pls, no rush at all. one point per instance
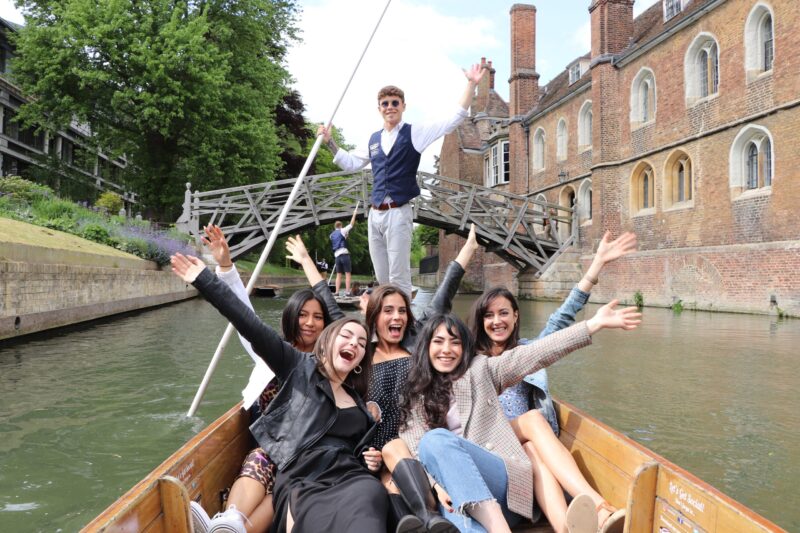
(231, 521)
(200, 519)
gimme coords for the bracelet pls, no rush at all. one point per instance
(593, 281)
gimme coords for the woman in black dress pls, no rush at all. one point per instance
(317, 429)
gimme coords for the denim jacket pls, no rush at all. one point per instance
(534, 387)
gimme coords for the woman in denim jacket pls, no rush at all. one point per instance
(528, 405)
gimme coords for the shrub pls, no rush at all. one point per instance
(50, 208)
(111, 201)
(96, 233)
(24, 189)
(64, 224)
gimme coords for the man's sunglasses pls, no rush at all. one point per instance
(393, 103)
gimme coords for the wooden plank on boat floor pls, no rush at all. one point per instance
(175, 504)
(642, 500)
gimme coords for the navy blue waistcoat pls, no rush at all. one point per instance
(337, 240)
(394, 174)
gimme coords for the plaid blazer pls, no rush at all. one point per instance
(481, 415)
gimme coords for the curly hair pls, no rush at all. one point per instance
(391, 90)
(483, 344)
(425, 383)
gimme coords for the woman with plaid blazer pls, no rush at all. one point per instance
(454, 424)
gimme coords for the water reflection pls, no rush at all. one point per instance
(87, 412)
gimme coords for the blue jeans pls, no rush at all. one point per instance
(469, 473)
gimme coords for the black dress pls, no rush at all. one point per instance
(328, 488)
(388, 383)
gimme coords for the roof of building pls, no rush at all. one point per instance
(11, 25)
(496, 107)
(469, 135)
(651, 23)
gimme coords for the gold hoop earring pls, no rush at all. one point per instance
(357, 369)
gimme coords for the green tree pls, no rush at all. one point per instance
(186, 89)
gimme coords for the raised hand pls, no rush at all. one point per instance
(217, 245)
(610, 317)
(186, 267)
(297, 250)
(474, 73)
(609, 250)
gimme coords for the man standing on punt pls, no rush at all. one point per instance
(394, 153)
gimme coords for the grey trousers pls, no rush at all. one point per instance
(390, 234)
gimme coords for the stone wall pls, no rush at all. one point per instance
(740, 278)
(36, 297)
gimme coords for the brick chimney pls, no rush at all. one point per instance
(524, 81)
(486, 85)
(612, 26)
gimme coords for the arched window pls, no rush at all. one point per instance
(759, 42)
(751, 159)
(539, 212)
(585, 126)
(765, 42)
(643, 97)
(561, 140)
(752, 165)
(585, 201)
(538, 149)
(767, 162)
(642, 188)
(678, 179)
(701, 68)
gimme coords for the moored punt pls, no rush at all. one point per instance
(269, 291)
(659, 496)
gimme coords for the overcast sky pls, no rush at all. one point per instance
(420, 46)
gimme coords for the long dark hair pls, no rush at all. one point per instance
(425, 383)
(324, 344)
(483, 344)
(375, 304)
(291, 314)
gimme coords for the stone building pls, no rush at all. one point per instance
(681, 125)
(65, 160)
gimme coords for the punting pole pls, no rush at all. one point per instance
(274, 234)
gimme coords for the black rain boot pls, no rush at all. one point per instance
(410, 477)
(401, 519)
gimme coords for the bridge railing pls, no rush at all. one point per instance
(509, 225)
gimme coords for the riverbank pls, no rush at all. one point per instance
(50, 279)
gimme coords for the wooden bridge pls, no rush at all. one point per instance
(508, 225)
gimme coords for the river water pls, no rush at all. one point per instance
(87, 411)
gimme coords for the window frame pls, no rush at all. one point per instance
(497, 164)
(643, 98)
(562, 139)
(585, 126)
(539, 149)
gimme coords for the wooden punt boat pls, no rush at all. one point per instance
(267, 290)
(660, 497)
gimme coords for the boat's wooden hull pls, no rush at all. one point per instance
(660, 497)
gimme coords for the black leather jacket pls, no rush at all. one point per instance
(441, 302)
(304, 408)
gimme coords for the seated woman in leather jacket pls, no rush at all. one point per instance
(317, 430)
